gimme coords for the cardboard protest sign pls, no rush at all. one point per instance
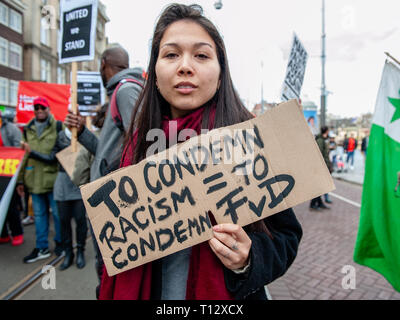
(239, 174)
(295, 71)
(10, 163)
(67, 159)
(58, 96)
(78, 20)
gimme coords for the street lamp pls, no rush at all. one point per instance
(323, 59)
(218, 4)
(262, 88)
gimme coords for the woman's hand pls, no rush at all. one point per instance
(231, 244)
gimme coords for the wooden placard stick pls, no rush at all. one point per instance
(74, 104)
(89, 123)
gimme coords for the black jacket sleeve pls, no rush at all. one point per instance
(270, 258)
(88, 140)
(51, 158)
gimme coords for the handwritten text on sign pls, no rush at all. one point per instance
(162, 204)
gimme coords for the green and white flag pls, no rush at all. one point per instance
(378, 239)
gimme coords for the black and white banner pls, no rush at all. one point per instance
(295, 71)
(90, 92)
(78, 19)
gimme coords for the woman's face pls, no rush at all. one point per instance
(187, 67)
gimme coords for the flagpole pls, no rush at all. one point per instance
(391, 57)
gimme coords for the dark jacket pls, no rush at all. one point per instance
(270, 258)
(107, 148)
(324, 148)
(364, 144)
(37, 175)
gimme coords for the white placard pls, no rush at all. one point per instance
(78, 19)
(295, 71)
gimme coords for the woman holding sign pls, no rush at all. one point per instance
(189, 84)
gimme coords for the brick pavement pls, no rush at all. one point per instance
(327, 246)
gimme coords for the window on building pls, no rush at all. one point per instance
(61, 76)
(15, 21)
(3, 14)
(45, 70)
(3, 51)
(3, 90)
(13, 93)
(15, 60)
(44, 32)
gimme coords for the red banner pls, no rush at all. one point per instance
(10, 158)
(58, 96)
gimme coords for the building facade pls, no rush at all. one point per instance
(258, 108)
(11, 52)
(41, 32)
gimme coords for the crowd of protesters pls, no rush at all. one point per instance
(188, 83)
(338, 157)
(42, 178)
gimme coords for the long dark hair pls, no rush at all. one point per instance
(151, 106)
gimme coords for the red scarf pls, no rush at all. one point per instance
(206, 276)
(1, 141)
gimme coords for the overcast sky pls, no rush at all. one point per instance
(255, 31)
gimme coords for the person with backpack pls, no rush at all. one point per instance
(316, 203)
(38, 176)
(123, 87)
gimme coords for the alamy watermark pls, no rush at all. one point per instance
(49, 17)
(349, 280)
(348, 18)
(49, 278)
(222, 146)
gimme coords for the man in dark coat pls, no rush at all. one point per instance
(316, 203)
(107, 148)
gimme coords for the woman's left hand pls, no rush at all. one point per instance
(231, 244)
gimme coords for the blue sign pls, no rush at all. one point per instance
(312, 120)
